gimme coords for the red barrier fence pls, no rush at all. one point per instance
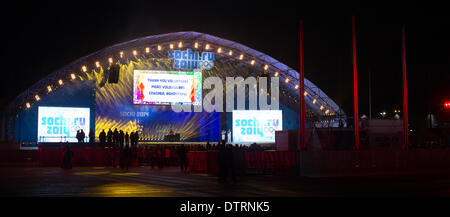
(85, 156)
(320, 163)
(18, 157)
(246, 162)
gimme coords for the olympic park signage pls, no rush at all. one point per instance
(256, 125)
(188, 59)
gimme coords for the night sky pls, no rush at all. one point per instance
(40, 38)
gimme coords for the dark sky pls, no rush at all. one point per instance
(43, 37)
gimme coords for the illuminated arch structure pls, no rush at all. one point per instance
(83, 83)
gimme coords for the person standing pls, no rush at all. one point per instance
(127, 139)
(167, 156)
(160, 157)
(230, 162)
(78, 136)
(223, 136)
(126, 157)
(182, 155)
(91, 137)
(229, 136)
(102, 138)
(110, 137)
(136, 138)
(82, 136)
(132, 138)
(221, 162)
(121, 138)
(67, 157)
(116, 137)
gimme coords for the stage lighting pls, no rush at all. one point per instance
(241, 57)
(306, 93)
(121, 54)
(159, 47)
(252, 62)
(37, 97)
(147, 50)
(83, 68)
(207, 47)
(49, 88)
(60, 82)
(196, 45)
(276, 74)
(134, 52)
(321, 107)
(97, 64)
(28, 105)
(171, 46)
(314, 101)
(180, 44)
(72, 76)
(266, 67)
(219, 50)
(230, 52)
(110, 60)
(327, 111)
(287, 80)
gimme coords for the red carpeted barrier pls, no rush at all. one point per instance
(245, 162)
(83, 156)
(17, 157)
(198, 161)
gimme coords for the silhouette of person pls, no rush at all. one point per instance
(136, 138)
(67, 157)
(78, 136)
(116, 137)
(110, 137)
(91, 137)
(132, 139)
(82, 136)
(127, 139)
(102, 137)
(183, 158)
(230, 163)
(121, 138)
(221, 162)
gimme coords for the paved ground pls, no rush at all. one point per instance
(143, 181)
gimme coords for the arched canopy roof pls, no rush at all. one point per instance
(318, 103)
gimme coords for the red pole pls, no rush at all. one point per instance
(302, 90)
(405, 91)
(355, 86)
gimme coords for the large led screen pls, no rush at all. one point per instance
(256, 125)
(167, 87)
(60, 124)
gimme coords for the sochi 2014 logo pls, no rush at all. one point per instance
(189, 59)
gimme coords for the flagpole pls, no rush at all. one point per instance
(355, 86)
(302, 90)
(405, 91)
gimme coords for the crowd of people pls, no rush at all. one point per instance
(118, 138)
(126, 151)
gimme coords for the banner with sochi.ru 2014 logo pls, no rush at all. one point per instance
(256, 125)
(56, 124)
